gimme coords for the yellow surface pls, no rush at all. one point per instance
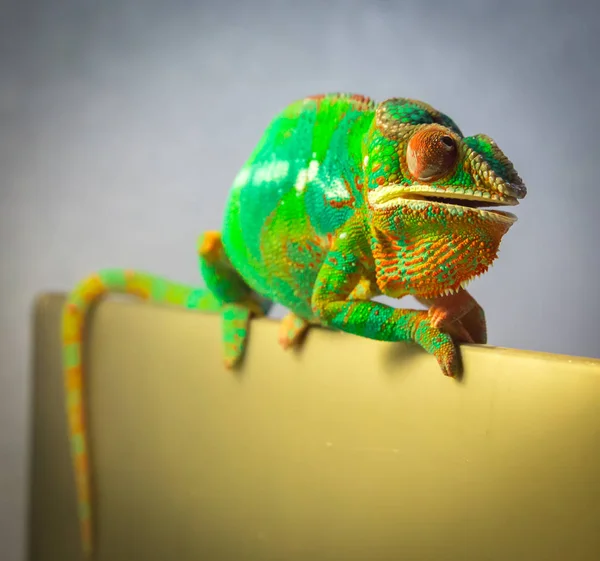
(349, 450)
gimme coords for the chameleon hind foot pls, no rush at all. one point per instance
(291, 330)
(235, 321)
(223, 281)
(238, 302)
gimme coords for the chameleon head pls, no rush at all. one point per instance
(431, 196)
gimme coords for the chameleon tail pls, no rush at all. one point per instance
(85, 294)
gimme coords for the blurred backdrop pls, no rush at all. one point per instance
(122, 124)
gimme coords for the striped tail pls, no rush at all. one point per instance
(85, 294)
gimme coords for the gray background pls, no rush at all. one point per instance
(122, 124)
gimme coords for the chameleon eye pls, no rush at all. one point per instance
(431, 153)
(448, 142)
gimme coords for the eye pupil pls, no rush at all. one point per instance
(448, 141)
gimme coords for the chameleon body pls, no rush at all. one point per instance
(343, 199)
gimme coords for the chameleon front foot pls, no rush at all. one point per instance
(384, 323)
(442, 345)
(291, 330)
(460, 314)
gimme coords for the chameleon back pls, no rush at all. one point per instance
(301, 184)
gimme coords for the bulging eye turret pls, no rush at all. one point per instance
(431, 154)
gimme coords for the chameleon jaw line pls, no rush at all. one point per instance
(395, 196)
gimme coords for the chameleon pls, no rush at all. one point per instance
(342, 199)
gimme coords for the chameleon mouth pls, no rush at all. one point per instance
(482, 203)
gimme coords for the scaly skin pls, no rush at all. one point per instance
(334, 207)
(343, 199)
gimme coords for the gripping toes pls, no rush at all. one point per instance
(235, 321)
(291, 330)
(441, 345)
(458, 314)
(475, 324)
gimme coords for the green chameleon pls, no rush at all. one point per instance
(343, 199)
